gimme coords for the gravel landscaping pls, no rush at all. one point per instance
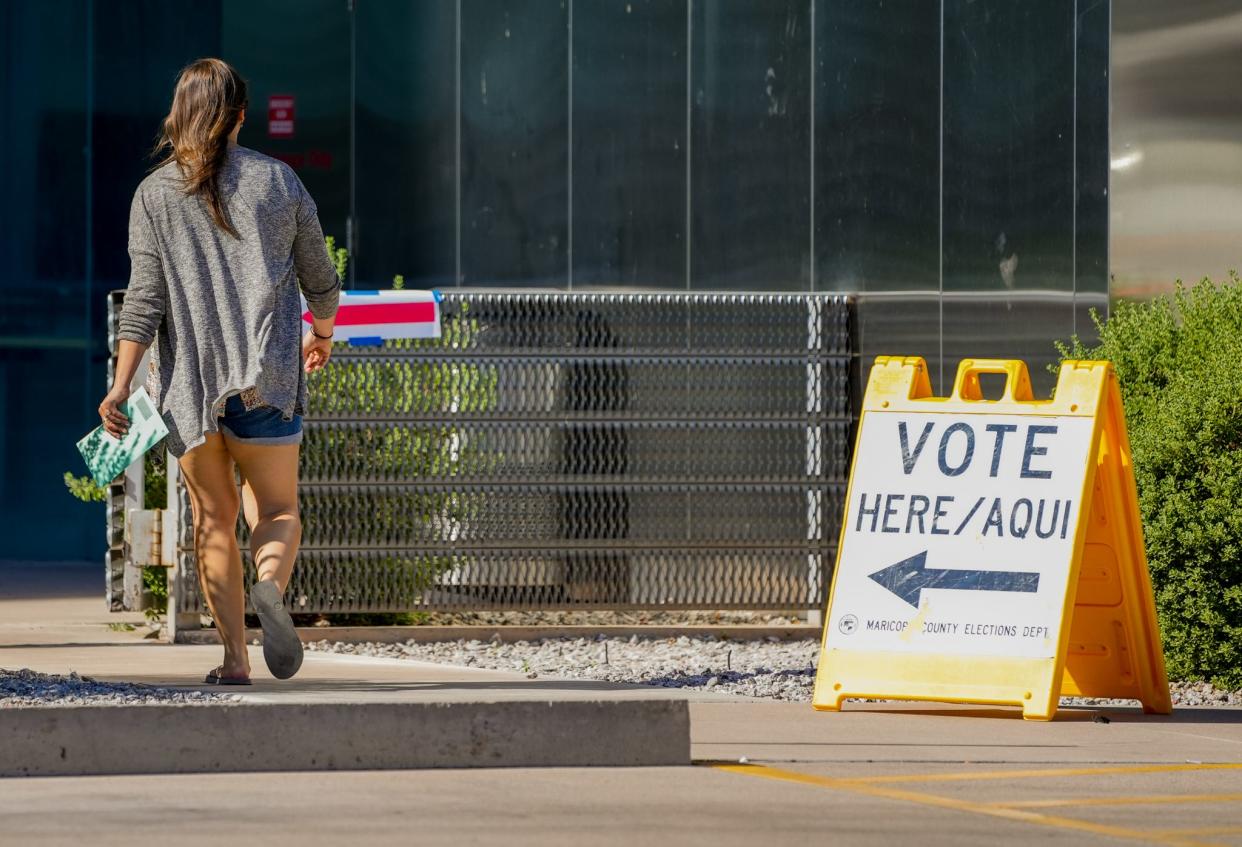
(30, 688)
(784, 670)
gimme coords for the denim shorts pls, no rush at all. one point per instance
(260, 425)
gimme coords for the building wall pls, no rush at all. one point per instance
(946, 160)
(1176, 143)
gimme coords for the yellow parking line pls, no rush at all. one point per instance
(1020, 815)
(1149, 800)
(1145, 800)
(1204, 830)
(1048, 772)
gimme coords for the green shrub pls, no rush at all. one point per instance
(155, 583)
(338, 255)
(1178, 360)
(85, 488)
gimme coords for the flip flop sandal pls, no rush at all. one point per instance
(214, 678)
(282, 649)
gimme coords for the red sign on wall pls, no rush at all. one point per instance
(280, 116)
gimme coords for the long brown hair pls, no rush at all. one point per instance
(209, 98)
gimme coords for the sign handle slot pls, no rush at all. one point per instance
(1017, 380)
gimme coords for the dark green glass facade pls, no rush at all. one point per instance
(946, 158)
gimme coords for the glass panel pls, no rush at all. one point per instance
(1008, 182)
(298, 48)
(629, 143)
(405, 179)
(1007, 325)
(36, 450)
(750, 145)
(1175, 196)
(45, 326)
(1008, 145)
(514, 142)
(877, 146)
(1091, 106)
(904, 325)
(43, 177)
(131, 100)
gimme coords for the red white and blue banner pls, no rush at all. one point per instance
(372, 317)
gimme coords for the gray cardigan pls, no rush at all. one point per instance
(224, 312)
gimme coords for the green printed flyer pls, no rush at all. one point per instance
(107, 456)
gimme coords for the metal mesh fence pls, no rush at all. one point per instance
(562, 451)
(115, 504)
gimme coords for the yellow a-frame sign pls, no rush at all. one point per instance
(991, 550)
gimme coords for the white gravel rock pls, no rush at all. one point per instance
(29, 688)
(782, 670)
(779, 669)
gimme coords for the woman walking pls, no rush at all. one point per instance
(221, 239)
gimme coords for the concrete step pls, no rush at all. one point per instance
(293, 736)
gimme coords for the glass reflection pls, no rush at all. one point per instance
(1091, 214)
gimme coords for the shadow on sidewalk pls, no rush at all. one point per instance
(1065, 714)
(30, 580)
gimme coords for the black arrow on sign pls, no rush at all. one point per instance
(909, 577)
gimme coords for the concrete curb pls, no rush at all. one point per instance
(89, 740)
(397, 634)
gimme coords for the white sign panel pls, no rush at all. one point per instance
(370, 317)
(959, 534)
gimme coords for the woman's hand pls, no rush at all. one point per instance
(315, 351)
(115, 422)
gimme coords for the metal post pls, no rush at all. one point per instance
(174, 522)
(135, 486)
(114, 558)
(132, 578)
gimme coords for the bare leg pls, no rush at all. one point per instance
(250, 509)
(270, 493)
(208, 473)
